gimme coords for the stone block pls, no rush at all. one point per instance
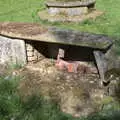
(31, 59)
(30, 53)
(29, 47)
(12, 51)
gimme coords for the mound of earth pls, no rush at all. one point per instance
(77, 94)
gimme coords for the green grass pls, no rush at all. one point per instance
(66, 0)
(19, 10)
(26, 11)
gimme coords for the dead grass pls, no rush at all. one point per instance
(23, 28)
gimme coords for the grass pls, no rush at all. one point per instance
(26, 11)
(66, 0)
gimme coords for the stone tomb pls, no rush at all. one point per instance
(89, 47)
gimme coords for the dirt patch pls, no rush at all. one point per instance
(27, 29)
(77, 94)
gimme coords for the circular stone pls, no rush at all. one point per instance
(69, 7)
(44, 15)
(69, 10)
(70, 3)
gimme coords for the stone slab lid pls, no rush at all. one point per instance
(70, 4)
(37, 32)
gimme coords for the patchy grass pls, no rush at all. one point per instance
(35, 107)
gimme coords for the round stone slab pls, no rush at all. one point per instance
(68, 10)
(76, 3)
(37, 32)
(44, 15)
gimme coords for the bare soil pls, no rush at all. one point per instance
(27, 29)
(77, 94)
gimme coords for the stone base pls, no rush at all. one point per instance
(68, 11)
(44, 15)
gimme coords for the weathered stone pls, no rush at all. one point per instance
(30, 53)
(82, 3)
(56, 35)
(112, 58)
(68, 11)
(31, 59)
(99, 56)
(92, 14)
(29, 47)
(12, 51)
(61, 36)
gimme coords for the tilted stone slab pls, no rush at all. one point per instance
(32, 31)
